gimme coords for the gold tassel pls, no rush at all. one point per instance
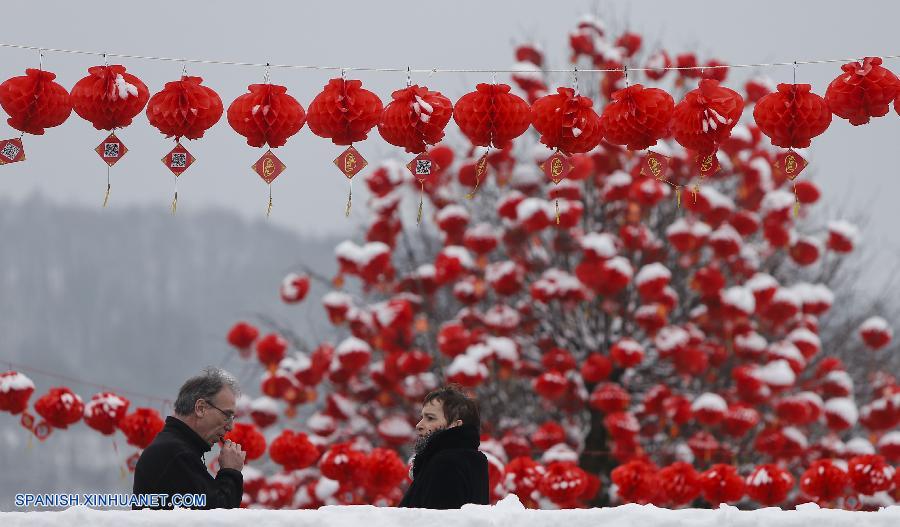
(678, 196)
(557, 211)
(796, 202)
(175, 203)
(269, 208)
(695, 191)
(421, 204)
(349, 200)
(30, 441)
(471, 193)
(106, 197)
(122, 473)
(480, 168)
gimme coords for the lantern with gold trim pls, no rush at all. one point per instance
(183, 108)
(109, 98)
(345, 113)
(267, 115)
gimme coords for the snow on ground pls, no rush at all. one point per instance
(508, 512)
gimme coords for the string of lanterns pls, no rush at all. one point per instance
(636, 117)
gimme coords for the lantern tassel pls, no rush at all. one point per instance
(349, 201)
(796, 202)
(175, 203)
(269, 208)
(557, 211)
(480, 168)
(678, 196)
(421, 204)
(108, 186)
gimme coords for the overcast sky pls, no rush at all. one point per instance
(855, 166)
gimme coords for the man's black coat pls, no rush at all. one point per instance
(173, 464)
(449, 472)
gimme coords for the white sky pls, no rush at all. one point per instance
(855, 166)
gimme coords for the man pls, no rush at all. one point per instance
(448, 469)
(174, 462)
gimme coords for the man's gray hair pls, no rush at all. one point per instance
(204, 386)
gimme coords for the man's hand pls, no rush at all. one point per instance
(231, 455)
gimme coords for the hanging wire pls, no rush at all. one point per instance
(106, 55)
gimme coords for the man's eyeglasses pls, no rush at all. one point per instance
(228, 415)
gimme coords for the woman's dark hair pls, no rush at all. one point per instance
(456, 405)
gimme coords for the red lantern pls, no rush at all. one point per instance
(415, 118)
(184, 108)
(567, 121)
(34, 102)
(264, 411)
(824, 482)
(864, 90)
(876, 333)
(252, 441)
(60, 407)
(547, 435)
(271, 349)
(105, 411)
(626, 353)
(141, 426)
(491, 116)
(596, 368)
(792, 116)
(678, 483)
(344, 112)
(551, 385)
(266, 115)
(241, 336)
(294, 288)
(636, 481)
(657, 63)
(721, 484)
(384, 470)
(293, 451)
(343, 463)
(705, 117)
(563, 481)
(109, 97)
(637, 117)
(610, 398)
(15, 390)
(870, 474)
(769, 484)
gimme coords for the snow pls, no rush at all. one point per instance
(498, 270)
(860, 446)
(108, 402)
(671, 337)
(525, 176)
(709, 401)
(264, 404)
(452, 211)
(716, 199)
(890, 438)
(776, 373)
(396, 426)
(504, 348)
(740, 298)
(360, 255)
(621, 265)
(875, 324)
(508, 511)
(796, 436)
(777, 200)
(761, 282)
(602, 244)
(742, 133)
(482, 230)
(527, 70)
(326, 488)
(352, 345)
(844, 407)
(764, 169)
(528, 207)
(751, 342)
(725, 233)
(617, 179)
(466, 365)
(17, 381)
(840, 378)
(461, 254)
(654, 271)
(559, 452)
(479, 352)
(786, 296)
(786, 350)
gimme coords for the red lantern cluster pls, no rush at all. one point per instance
(141, 426)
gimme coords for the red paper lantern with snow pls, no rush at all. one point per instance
(294, 288)
(864, 90)
(60, 407)
(293, 450)
(547, 435)
(264, 411)
(626, 353)
(395, 430)
(610, 398)
(109, 97)
(792, 116)
(481, 239)
(241, 336)
(416, 117)
(870, 474)
(105, 411)
(652, 279)
(343, 463)
(622, 426)
(889, 446)
(491, 115)
(739, 419)
(705, 117)
(805, 251)
(637, 117)
(505, 277)
(636, 482)
(824, 482)
(15, 390)
(466, 371)
(563, 482)
(184, 108)
(567, 121)
(678, 483)
(721, 484)
(657, 63)
(271, 349)
(876, 333)
(769, 484)
(141, 426)
(252, 441)
(842, 236)
(344, 112)
(266, 115)
(34, 102)
(840, 413)
(550, 385)
(450, 263)
(709, 408)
